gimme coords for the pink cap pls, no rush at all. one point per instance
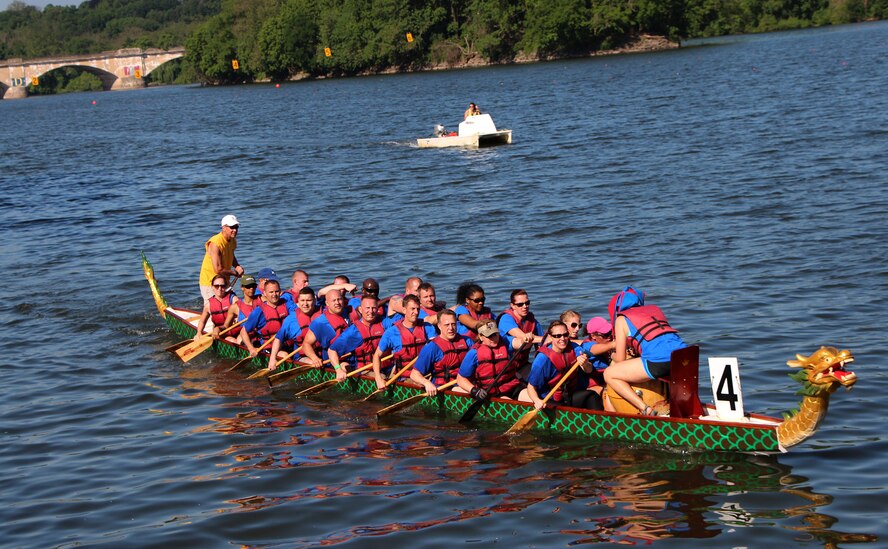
(598, 324)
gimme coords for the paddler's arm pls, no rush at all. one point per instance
(602, 348)
(273, 358)
(232, 314)
(377, 368)
(340, 369)
(202, 323)
(621, 331)
(350, 288)
(396, 305)
(423, 366)
(216, 259)
(534, 397)
(308, 350)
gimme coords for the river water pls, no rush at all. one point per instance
(740, 182)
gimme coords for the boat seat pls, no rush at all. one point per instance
(684, 381)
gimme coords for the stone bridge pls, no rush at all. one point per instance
(118, 70)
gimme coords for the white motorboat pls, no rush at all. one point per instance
(475, 131)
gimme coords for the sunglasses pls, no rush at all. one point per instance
(522, 304)
(574, 324)
(218, 285)
(479, 300)
(565, 334)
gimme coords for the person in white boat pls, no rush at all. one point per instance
(471, 111)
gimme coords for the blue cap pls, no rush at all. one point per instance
(267, 274)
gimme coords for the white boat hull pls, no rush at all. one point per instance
(501, 137)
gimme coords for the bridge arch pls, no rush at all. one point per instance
(118, 70)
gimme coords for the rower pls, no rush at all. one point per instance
(324, 330)
(518, 323)
(404, 339)
(598, 346)
(361, 339)
(370, 287)
(429, 307)
(486, 370)
(295, 327)
(396, 302)
(216, 307)
(242, 308)
(645, 330)
(300, 280)
(264, 275)
(439, 361)
(219, 256)
(266, 319)
(574, 323)
(470, 309)
(551, 363)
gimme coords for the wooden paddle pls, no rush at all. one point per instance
(390, 380)
(189, 351)
(331, 382)
(470, 414)
(281, 377)
(529, 418)
(250, 358)
(265, 371)
(411, 400)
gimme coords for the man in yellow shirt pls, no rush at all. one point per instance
(219, 257)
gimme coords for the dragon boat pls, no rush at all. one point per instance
(685, 423)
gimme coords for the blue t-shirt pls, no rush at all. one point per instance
(256, 321)
(431, 354)
(323, 332)
(598, 361)
(391, 340)
(351, 339)
(430, 329)
(507, 323)
(290, 330)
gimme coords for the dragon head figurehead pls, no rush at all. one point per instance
(824, 370)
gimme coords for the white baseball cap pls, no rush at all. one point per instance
(229, 221)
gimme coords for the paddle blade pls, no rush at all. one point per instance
(178, 345)
(240, 363)
(187, 352)
(400, 405)
(261, 373)
(527, 421)
(373, 394)
(472, 411)
(281, 377)
(318, 388)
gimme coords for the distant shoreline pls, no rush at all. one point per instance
(644, 43)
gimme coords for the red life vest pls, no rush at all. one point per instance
(219, 309)
(485, 314)
(411, 342)
(371, 335)
(446, 369)
(527, 326)
(243, 311)
(492, 361)
(274, 317)
(649, 322)
(562, 363)
(338, 323)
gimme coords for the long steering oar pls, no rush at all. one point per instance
(191, 350)
(331, 382)
(390, 380)
(241, 362)
(265, 371)
(470, 414)
(529, 418)
(277, 378)
(411, 400)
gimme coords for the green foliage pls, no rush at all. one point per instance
(279, 39)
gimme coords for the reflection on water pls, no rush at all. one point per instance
(615, 493)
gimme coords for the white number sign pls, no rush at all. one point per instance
(724, 372)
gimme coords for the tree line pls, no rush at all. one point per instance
(233, 41)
